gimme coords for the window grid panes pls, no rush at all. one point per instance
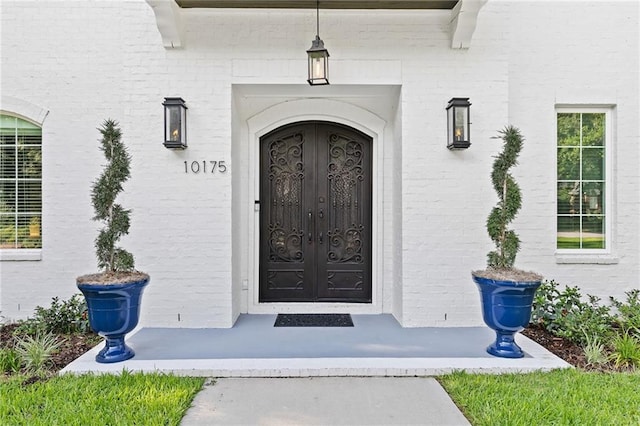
(20, 184)
(581, 171)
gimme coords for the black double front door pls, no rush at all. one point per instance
(315, 214)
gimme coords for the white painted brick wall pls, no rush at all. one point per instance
(583, 54)
(93, 60)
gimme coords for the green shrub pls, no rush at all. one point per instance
(595, 352)
(628, 313)
(549, 304)
(9, 361)
(626, 350)
(590, 319)
(29, 327)
(36, 351)
(565, 314)
(62, 317)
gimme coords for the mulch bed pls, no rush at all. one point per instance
(558, 346)
(72, 347)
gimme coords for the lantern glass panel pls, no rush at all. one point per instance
(174, 123)
(317, 67)
(450, 125)
(461, 121)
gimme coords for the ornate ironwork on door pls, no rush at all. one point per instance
(315, 214)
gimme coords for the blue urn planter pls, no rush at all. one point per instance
(506, 308)
(114, 310)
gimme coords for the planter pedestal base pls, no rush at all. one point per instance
(505, 346)
(115, 350)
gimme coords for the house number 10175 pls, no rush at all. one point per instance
(205, 166)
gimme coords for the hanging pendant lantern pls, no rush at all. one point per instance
(318, 57)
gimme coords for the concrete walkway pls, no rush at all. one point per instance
(324, 401)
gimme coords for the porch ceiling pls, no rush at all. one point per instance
(464, 13)
(323, 4)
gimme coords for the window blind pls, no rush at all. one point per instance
(20, 184)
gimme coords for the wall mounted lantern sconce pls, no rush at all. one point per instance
(318, 57)
(458, 123)
(175, 123)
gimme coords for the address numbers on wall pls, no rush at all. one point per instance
(205, 166)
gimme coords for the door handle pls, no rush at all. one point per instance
(310, 224)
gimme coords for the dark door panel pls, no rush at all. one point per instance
(315, 214)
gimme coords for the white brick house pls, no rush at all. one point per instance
(565, 72)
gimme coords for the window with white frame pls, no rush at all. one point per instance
(20, 184)
(583, 174)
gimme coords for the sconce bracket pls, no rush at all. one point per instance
(463, 22)
(168, 21)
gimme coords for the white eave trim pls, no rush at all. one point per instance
(168, 21)
(462, 26)
(463, 22)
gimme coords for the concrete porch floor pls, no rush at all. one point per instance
(376, 346)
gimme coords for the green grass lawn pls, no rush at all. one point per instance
(574, 243)
(127, 399)
(561, 397)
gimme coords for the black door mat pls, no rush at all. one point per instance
(313, 320)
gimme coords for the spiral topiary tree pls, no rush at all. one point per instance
(117, 264)
(510, 200)
(116, 220)
(501, 260)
